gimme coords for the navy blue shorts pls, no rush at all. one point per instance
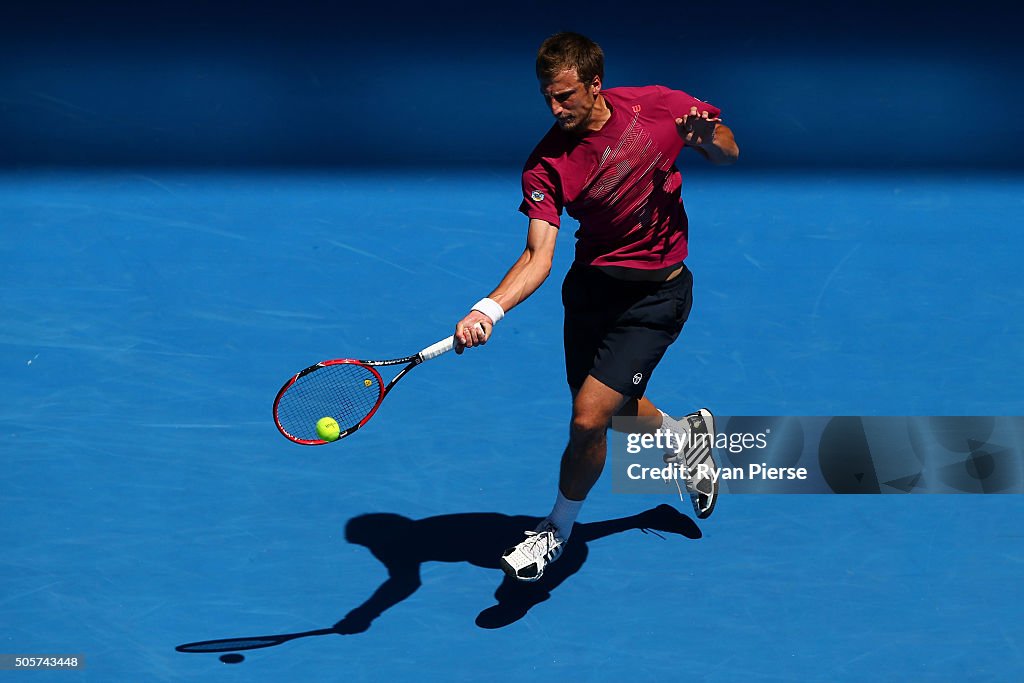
(617, 330)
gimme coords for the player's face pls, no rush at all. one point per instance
(571, 101)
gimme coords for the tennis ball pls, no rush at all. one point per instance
(327, 429)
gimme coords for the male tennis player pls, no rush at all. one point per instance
(609, 161)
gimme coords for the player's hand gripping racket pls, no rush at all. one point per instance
(346, 389)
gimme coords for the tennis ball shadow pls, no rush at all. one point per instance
(403, 545)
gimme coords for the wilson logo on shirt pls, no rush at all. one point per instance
(537, 196)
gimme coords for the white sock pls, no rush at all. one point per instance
(669, 422)
(682, 429)
(564, 514)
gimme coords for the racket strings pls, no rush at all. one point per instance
(347, 392)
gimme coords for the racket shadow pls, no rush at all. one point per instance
(403, 545)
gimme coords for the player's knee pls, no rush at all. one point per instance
(588, 423)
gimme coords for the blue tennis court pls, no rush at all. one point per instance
(149, 317)
(198, 200)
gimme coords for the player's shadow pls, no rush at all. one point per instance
(403, 545)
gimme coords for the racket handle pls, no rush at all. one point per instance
(441, 347)
(435, 350)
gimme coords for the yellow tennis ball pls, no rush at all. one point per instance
(367, 383)
(327, 429)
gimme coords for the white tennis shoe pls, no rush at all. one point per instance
(527, 560)
(697, 457)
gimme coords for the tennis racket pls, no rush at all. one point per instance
(346, 389)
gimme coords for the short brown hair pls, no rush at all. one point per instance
(565, 51)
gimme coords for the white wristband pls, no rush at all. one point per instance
(491, 308)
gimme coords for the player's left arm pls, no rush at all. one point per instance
(709, 136)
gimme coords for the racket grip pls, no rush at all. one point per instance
(435, 350)
(441, 347)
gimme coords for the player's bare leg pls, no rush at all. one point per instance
(648, 417)
(593, 407)
(696, 434)
(582, 463)
(584, 458)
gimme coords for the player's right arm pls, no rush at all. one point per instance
(525, 276)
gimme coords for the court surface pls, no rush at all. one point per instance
(148, 318)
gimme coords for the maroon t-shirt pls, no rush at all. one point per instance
(620, 182)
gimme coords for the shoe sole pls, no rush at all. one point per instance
(511, 573)
(714, 501)
(709, 420)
